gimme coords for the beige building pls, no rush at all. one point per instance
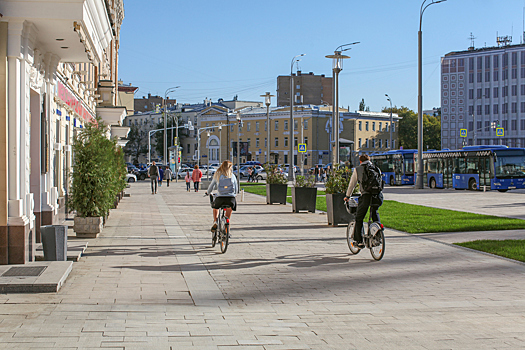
(308, 89)
(360, 132)
(126, 97)
(55, 55)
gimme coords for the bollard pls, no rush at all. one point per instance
(242, 195)
(54, 242)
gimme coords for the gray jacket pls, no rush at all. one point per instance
(357, 177)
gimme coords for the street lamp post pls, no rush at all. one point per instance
(391, 121)
(220, 143)
(291, 167)
(268, 102)
(166, 160)
(337, 67)
(239, 121)
(419, 178)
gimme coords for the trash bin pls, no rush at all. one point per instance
(54, 242)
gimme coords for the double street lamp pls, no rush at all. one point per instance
(337, 67)
(419, 178)
(166, 160)
(291, 163)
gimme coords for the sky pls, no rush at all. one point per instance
(219, 49)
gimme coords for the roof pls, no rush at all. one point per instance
(485, 49)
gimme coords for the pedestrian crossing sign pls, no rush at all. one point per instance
(463, 132)
(500, 132)
(302, 147)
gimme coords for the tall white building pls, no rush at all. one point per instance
(480, 90)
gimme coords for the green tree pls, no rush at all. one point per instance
(407, 129)
(137, 143)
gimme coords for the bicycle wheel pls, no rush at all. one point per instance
(377, 241)
(225, 236)
(350, 238)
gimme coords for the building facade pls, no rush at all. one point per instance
(482, 89)
(308, 89)
(360, 133)
(50, 87)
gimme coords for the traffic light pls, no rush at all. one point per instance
(497, 123)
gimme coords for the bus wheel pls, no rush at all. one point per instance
(472, 185)
(392, 183)
(432, 183)
(502, 190)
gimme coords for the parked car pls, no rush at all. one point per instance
(182, 172)
(131, 178)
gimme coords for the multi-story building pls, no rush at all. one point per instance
(308, 89)
(54, 55)
(481, 89)
(126, 97)
(360, 132)
(152, 103)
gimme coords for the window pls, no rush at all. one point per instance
(514, 73)
(523, 70)
(479, 125)
(373, 126)
(286, 125)
(359, 143)
(380, 126)
(471, 94)
(514, 58)
(505, 60)
(496, 61)
(487, 109)
(522, 123)
(295, 125)
(514, 108)
(276, 142)
(231, 128)
(471, 110)
(285, 141)
(513, 124)
(366, 126)
(471, 78)
(487, 126)
(306, 141)
(487, 62)
(496, 75)
(505, 108)
(366, 143)
(360, 126)
(256, 126)
(393, 127)
(479, 77)
(504, 124)
(374, 143)
(496, 92)
(380, 143)
(487, 76)
(522, 108)
(297, 87)
(295, 142)
(393, 144)
(248, 126)
(276, 125)
(487, 93)
(265, 126)
(257, 142)
(305, 125)
(478, 93)
(505, 91)
(471, 63)
(188, 148)
(265, 142)
(478, 109)
(495, 109)
(386, 143)
(505, 74)
(514, 90)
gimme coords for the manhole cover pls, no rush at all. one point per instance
(24, 271)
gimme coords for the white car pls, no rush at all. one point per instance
(182, 172)
(131, 178)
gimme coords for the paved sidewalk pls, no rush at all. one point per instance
(152, 281)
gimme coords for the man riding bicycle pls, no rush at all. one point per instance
(226, 184)
(372, 198)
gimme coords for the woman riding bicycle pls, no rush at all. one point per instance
(226, 184)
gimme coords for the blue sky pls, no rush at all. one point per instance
(219, 49)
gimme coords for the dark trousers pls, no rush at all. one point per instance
(366, 201)
(153, 184)
(188, 186)
(196, 185)
(168, 182)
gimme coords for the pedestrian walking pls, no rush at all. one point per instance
(153, 173)
(168, 174)
(254, 175)
(250, 172)
(188, 180)
(161, 176)
(321, 174)
(196, 178)
(316, 173)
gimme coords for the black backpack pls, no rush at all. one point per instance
(372, 180)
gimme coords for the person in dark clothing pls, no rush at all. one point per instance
(366, 200)
(153, 173)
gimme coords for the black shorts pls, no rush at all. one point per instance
(217, 202)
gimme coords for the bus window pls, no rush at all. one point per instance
(459, 166)
(409, 166)
(510, 164)
(472, 166)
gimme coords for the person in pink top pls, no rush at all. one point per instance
(196, 178)
(188, 180)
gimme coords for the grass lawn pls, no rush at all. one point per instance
(420, 219)
(510, 248)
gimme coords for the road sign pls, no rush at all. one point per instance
(463, 132)
(302, 147)
(500, 132)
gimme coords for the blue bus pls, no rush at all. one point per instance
(398, 166)
(476, 167)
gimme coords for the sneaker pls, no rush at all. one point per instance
(214, 227)
(359, 245)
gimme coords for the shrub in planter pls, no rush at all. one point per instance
(276, 185)
(336, 187)
(99, 174)
(304, 194)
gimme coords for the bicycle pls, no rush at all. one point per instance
(222, 233)
(374, 238)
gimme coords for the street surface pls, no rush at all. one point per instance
(152, 281)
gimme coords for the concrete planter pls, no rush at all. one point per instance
(276, 193)
(304, 198)
(335, 209)
(88, 227)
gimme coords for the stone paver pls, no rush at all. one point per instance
(151, 280)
